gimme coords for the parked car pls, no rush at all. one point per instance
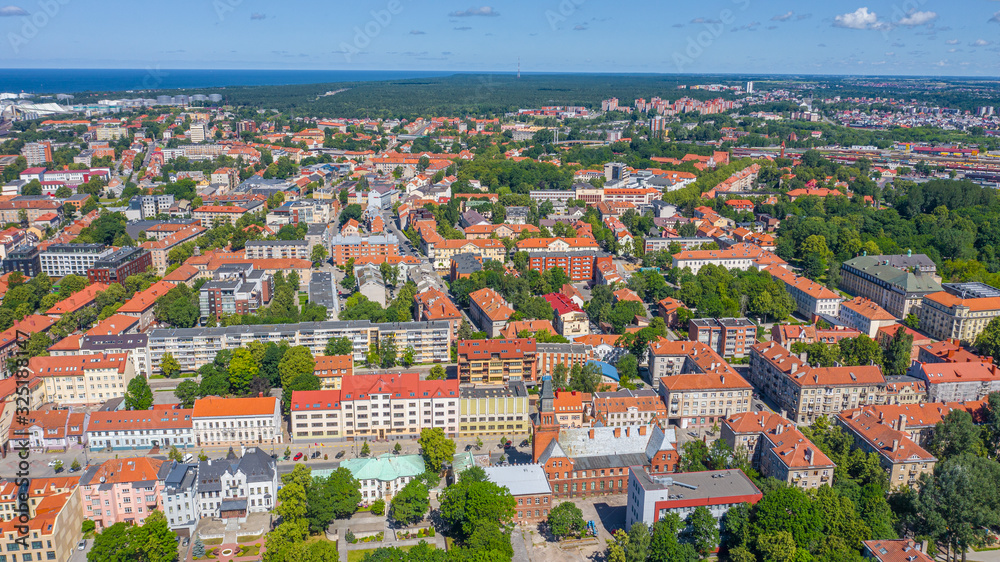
(341, 454)
(297, 456)
(52, 463)
(81, 545)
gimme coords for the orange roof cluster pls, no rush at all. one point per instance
(937, 373)
(333, 365)
(480, 244)
(896, 550)
(534, 326)
(114, 325)
(701, 355)
(735, 252)
(570, 401)
(950, 351)
(398, 385)
(578, 243)
(793, 449)
(700, 381)
(614, 403)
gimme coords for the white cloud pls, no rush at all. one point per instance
(980, 43)
(952, 42)
(8, 11)
(858, 19)
(783, 17)
(258, 16)
(418, 32)
(995, 18)
(486, 11)
(917, 18)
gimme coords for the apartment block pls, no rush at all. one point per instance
(60, 260)
(957, 382)
(331, 370)
(737, 256)
(497, 361)
(391, 406)
(778, 449)
(729, 337)
(578, 266)
(567, 354)
(703, 399)
(53, 521)
(865, 316)
(194, 347)
(37, 153)
(811, 298)
(628, 407)
(123, 490)
(344, 248)
(651, 498)
(83, 379)
(486, 249)
(671, 358)
(436, 306)
(118, 265)
(805, 392)
(278, 249)
(899, 456)
(160, 249)
(235, 289)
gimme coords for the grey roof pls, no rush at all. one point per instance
(521, 480)
(182, 477)
(466, 263)
(321, 290)
(103, 342)
(906, 261)
(233, 505)
(700, 485)
(561, 348)
(577, 443)
(902, 278)
(972, 290)
(257, 465)
(513, 389)
(610, 461)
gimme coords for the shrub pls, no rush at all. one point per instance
(378, 507)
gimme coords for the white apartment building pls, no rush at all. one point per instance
(140, 429)
(229, 421)
(60, 260)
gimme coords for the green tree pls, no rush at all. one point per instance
(75, 466)
(169, 366)
(297, 361)
(435, 447)
(339, 346)
(898, 353)
(365, 450)
(861, 350)
(242, 369)
(70, 285)
(153, 541)
(378, 507)
(292, 504)
(437, 373)
(961, 502)
(138, 396)
(187, 392)
(778, 546)
(955, 435)
(638, 543)
(703, 530)
(566, 520)
(664, 545)
(988, 341)
(411, 503)
(589, 379)
(473, 500)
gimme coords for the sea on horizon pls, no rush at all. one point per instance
(75, 80)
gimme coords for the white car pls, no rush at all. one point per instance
(81, 545)
(52, 463)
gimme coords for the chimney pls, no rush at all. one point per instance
(902, 422)
(260, 395)
(618, 432)
(627, 431)
(591, 433)
(642, 430)
(895, 444)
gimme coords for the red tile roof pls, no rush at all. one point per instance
(214, 406)
(78, 300)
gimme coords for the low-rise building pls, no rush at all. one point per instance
(331, 370)
(551, 355)
(123, 490)
(494, 410)
(702, 399)
(117, 266)
(384, 476)
(53, 524)
(651, 497)
(946, 315)
(236, 421)
(41, 430)
(234, 487)
(957, 382)
(894, 550)
(489, 311)
(778, 449)
(865, 316)
(530, 488)
(628, 407)
(571, 320)
(571, 408)
(120, 430)
(143, 304)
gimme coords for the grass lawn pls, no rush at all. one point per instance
(358, 555)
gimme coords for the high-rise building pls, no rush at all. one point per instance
(37, 153)
(750, 87)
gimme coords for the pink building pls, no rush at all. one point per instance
(126, 490)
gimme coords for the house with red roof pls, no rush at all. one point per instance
(571, 320)
(236, 421)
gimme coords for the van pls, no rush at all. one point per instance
(188, 458)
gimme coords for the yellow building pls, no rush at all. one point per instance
(496, 410)
(54, 525)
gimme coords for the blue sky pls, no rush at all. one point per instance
(734, 36)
